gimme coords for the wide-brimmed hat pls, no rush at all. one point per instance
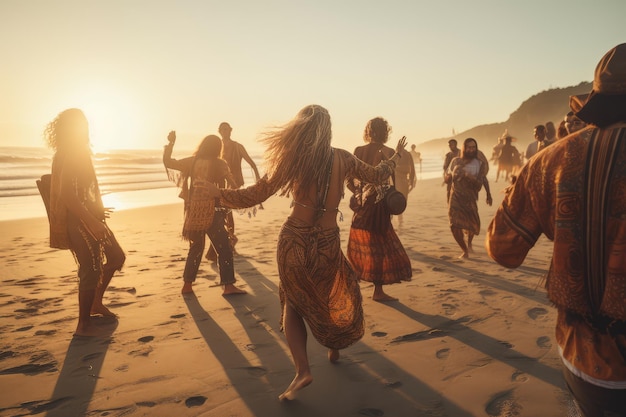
(606, 104)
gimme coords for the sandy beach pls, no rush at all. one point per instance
(466, 338)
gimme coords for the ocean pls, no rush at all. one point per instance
(128, 178)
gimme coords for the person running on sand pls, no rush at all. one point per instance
(77, 216)
(201, 216)
(317, 284)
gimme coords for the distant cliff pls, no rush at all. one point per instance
(548, 105)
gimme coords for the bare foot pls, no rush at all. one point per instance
(299, 382)
(187, 288)
(230, 289)
(383, 297)
(333, 355)
(89, 330)
(102, 310)
(464, 255)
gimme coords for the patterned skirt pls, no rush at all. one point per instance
(318, 282)
(378, 257)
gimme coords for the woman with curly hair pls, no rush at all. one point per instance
(374, 248)
(77, 216)
(317, 284)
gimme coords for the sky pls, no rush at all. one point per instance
(140, 68)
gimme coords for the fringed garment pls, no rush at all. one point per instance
(194, 177)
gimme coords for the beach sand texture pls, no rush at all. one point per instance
(466, 338)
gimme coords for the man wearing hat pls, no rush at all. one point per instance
(574, 192)
(454, 152)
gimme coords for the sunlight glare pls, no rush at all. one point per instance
(113, 118)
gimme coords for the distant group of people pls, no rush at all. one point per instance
(573, 190)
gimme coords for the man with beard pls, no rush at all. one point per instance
(469, 174)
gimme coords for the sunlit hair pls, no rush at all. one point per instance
(465, 143)
(60, 133)
(298, 153)
(377, 131)
(210, 147)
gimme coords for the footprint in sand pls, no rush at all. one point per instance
(544, 342)
(537, 313)
(178, 316)
(392, 384)
(379, 334)
(485, 293)
(449, 309)
(519, 376)
(443, 353)
(503, 404)
(23, 329)
(146, 339)
(122, 368)
(196, 401)
(256, 371)
(91, 356)
(371, 412)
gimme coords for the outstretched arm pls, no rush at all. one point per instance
(243, 197)
(246, 157)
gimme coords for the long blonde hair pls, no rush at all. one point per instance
(298, 153)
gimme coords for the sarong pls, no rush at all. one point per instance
(463, 208)
(374, 248)
(378, 257)
(319, 283)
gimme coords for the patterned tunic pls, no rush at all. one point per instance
(574, 192)
(315, 277)
(199, 208)
(463, 207)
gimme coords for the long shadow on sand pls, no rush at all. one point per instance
(499, 350)
(462, 271)
(259, 380)
(78, 378)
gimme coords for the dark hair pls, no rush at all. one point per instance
(377, 131)
(465, 142)
(210, 147)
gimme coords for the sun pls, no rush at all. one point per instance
(114, 117)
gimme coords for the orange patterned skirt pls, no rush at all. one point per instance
(317, 280)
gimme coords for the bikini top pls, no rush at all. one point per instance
(322, 193)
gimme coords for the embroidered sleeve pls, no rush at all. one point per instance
(357, 169)
(515, 228)
(249, 196)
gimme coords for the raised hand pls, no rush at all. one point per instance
(171, 137)
(401, 144)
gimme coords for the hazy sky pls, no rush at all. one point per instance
(139, 68)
